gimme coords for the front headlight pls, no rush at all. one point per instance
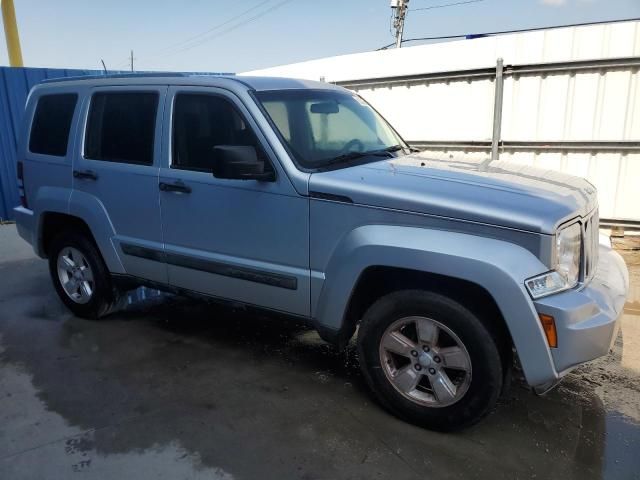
(566, 269)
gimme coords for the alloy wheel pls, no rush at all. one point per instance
(75, 275)
(425, 361)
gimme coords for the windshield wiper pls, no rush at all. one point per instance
(393, 148)
(385, 152)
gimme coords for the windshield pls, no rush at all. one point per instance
(328, 127)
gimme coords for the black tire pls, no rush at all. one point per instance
(103, 297)
(486, 366)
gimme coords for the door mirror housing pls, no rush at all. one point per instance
(240, 162)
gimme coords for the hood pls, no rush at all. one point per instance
(498, 193)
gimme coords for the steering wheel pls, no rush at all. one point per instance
(348, 147)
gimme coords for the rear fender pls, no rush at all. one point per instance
(47, 199)
(93, 212)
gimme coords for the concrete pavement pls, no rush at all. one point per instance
(173, 388)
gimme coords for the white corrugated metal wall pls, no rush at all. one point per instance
(429, 105)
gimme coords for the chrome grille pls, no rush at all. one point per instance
(591, 240)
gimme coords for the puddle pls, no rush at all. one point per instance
(621, 448)
(38, 443)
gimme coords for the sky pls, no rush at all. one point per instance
(242, 35)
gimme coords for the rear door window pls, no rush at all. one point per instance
(121, 127)
(52, 123)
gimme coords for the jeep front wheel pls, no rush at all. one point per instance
(429, 360)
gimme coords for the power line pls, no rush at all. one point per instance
(210, 34)
(214, 28)
(121, 65)
(236, 26)
(444, 5)
(185, 44)
(400, 8)
(489, 34)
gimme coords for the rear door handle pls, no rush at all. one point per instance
(85, 174)
(174, 187)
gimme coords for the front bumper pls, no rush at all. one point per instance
(587, 318)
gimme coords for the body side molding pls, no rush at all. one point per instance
(217, 268)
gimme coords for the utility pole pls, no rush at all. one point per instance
(399, 8)
(132, 60)
(11, 33)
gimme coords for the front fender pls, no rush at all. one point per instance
(499, 267)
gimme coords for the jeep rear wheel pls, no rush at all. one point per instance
(429, 360)
(80, 276)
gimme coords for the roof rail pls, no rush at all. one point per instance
(132, 75)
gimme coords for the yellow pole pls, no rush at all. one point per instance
(11, 33)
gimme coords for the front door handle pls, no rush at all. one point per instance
(174, 187)
(85, 174)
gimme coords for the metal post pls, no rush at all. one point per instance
(497, 110)
(400, 29)
(11, 33)
(400, 8)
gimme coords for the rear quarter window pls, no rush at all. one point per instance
(52, 123)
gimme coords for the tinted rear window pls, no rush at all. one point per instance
(51, 124)
(121, 127)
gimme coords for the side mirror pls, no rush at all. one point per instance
(239, 162)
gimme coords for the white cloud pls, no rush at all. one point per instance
(554, 3)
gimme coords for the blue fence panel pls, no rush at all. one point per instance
(15, 84)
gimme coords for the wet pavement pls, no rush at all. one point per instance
(173, 388)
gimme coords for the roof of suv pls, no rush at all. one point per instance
(167, 78)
